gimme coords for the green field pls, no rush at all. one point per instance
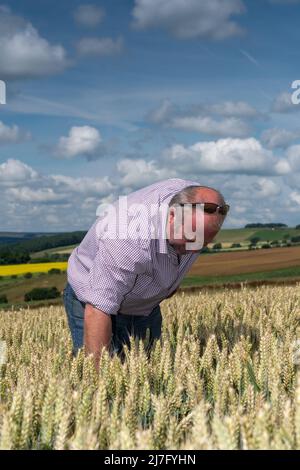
(15, 289)
(59, 250)
(285, 273)
(244, 234)
(227, 236)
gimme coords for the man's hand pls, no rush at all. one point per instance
(97, 332)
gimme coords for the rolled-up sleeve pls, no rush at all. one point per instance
(114, 272)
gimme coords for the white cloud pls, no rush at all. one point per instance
(224, 119)
(282, 167)
(11, 135)
(24, 53)
(89, 15)
(275, 137)
(84, 185)
(138, 173)
(295, 197)
(71, 202)
(83, 141)
(233, 127)
(189, 18)
(266, 188)
(99, 46)
(283, 104)
(293, 156)
(41, 195)
(14, 171)
(233, 108)
(244, 156)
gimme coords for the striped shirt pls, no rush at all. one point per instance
(129, 276)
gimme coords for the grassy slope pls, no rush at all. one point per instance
(16, 288)
(293, 272)
(229, 236)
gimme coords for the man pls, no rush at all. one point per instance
(115, 284)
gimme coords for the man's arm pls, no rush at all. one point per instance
(97, 331)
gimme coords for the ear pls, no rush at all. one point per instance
(171, 214)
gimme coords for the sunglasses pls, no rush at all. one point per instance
(211, 207)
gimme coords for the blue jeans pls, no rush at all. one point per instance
(122, 325)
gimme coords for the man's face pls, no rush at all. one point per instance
(211, 224)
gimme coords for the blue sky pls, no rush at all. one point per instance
(105, 97)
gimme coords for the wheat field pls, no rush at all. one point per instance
(224, 376)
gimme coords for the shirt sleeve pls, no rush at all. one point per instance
(114, 272)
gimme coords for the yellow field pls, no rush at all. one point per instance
(31, 268)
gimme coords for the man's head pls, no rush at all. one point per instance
(212, 222)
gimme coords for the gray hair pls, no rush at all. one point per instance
(188, 195)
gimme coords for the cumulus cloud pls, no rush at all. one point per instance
(283, 104)
(295, 197)
(276, 138)
(266, 188)
(99, 46)
(138, 173)
(244, 156)
(14, 171)
(233, 108)
(293, 157)
(89, 15)
(224, 119)
(81, 141)
(24, 53)
(190, 18)
(233, 127)
(69, 201)
(41, 195)
(84, 185)
(12, 134)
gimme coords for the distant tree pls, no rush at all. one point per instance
(266, 245)
(28, 275)
(297, 227)
(3, 299)
(295, 239)
(268, 225)
(236, 245)
(12, 255)
(54, 271)
(42, 293)
(217, 246)
(254, 240)
(13, 276)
